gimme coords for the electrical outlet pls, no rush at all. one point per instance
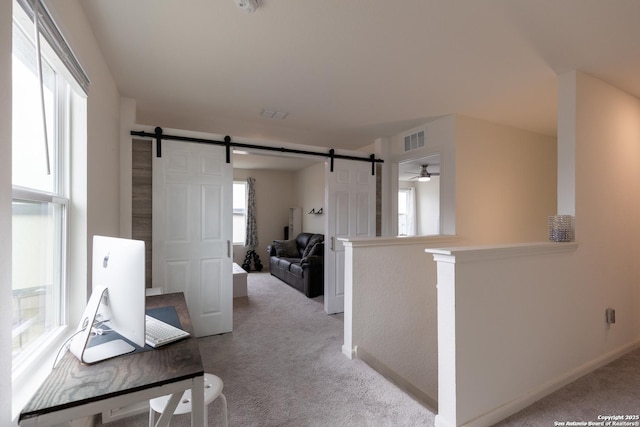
(610, 315)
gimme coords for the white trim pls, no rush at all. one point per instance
(521, 402)
(351, 353)
(456, 255)
(50, 32)
(401, 382)
(27, 374)
(362, 242)
(440, 421)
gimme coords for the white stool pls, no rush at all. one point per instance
(212, 389)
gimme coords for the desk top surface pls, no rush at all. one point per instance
(71, 383)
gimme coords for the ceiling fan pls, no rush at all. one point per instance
(424, 174)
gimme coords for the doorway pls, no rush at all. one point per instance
(419, 197)
(312, 187)
(315, 210)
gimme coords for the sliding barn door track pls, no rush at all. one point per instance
(228, 144)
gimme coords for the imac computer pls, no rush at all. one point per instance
(118, 270)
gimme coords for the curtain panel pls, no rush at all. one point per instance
(251, 236)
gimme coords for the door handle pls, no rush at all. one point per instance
(228, 248)
(333, 243)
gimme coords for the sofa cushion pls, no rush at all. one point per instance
(303, 240)
(286, 263)
(296, 269)
(286, 248)
(311, 244)
(315, 250)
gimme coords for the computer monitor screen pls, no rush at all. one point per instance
(118, 264)
(118, 299)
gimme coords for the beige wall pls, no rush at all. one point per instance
(505, 183)
(493, 166)
(497, 184)
(394, 289)
(310, 183)
(607, 158)
(573, 284)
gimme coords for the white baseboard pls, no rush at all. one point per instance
(518, 404)
(405, 385)
(350, 353)
(441, 422)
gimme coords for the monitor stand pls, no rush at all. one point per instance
(89, 355)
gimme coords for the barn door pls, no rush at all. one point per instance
(192, 213)
(350, 201)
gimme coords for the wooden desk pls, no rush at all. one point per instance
(73, 390)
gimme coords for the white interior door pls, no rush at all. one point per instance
(192, 207)
(351, 212)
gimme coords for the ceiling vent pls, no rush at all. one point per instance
(414, 141)
(273, 114)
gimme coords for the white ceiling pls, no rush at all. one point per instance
(347, 72)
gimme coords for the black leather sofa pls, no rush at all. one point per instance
(299, 262)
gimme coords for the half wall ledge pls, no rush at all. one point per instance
(481, 253)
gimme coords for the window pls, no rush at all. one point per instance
(406, 212)
(41, 203)
(40, 190)
(239, 212)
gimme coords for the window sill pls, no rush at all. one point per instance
(27, 377)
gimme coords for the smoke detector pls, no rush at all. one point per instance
(247, 6)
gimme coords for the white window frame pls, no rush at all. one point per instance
(30, 369)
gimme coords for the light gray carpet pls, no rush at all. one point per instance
(613, 389)
(283, 366)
